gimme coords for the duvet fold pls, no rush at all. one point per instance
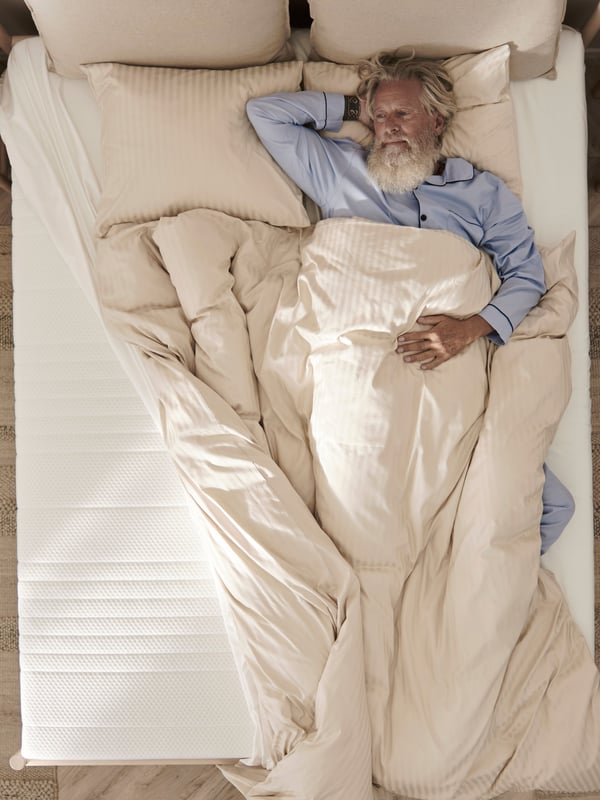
(374, 526)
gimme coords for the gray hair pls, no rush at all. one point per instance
(393, 65)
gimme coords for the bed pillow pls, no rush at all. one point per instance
(344, 31)
(483, 130)
(556, 310)
(173, 140)
(181, 33)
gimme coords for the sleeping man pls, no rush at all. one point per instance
(403, 179)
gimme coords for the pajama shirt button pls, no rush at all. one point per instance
(423, 217)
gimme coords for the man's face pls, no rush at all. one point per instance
(406, 148)
(399, 115)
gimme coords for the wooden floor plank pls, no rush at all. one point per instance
(149, 783)
(5, 213)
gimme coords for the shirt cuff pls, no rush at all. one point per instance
(499, 322)
(334, 111)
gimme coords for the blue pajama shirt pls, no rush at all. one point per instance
(464, 200)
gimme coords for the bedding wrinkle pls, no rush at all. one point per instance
(286, 597)
(182, 431)
(390, 559)
(344, 480)
(204, 286)
(42, 102)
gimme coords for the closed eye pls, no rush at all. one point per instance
(380, 116)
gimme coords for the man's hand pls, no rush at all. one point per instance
(365, 117)
(444, 338)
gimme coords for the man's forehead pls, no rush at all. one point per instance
(406, 91)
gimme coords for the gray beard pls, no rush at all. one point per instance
(402, 170)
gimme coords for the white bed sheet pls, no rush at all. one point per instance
(552, 133)
(124, 649)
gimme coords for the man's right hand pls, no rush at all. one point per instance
(364, 114)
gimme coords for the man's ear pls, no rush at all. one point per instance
(439, 123)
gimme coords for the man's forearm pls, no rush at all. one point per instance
(288, 125)
(509, 240)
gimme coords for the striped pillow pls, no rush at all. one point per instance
(484, 128)
(214, 34)
(177, 139)
(435, 29)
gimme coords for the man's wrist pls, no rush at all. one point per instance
(351, 107)
(479, 326)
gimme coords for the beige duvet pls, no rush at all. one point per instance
(375, 527)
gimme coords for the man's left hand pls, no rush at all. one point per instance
(444, 338)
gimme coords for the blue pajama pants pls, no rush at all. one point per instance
(558, 508)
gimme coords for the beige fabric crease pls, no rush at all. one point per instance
(374, 526)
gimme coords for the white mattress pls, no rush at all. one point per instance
(124, 651)
(123, 646)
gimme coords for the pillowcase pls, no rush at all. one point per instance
(556, 310)
(181, 33)
(483, 130)
(345, 31)
(173, 140)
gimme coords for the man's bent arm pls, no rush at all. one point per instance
(288, 123)
(510, 241)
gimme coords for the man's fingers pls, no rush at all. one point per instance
(413, 336)
(433, 363)
(421, 356)
(416, 339)
(413, 346)
(434, 319)
(443, 339)
(427, 358)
